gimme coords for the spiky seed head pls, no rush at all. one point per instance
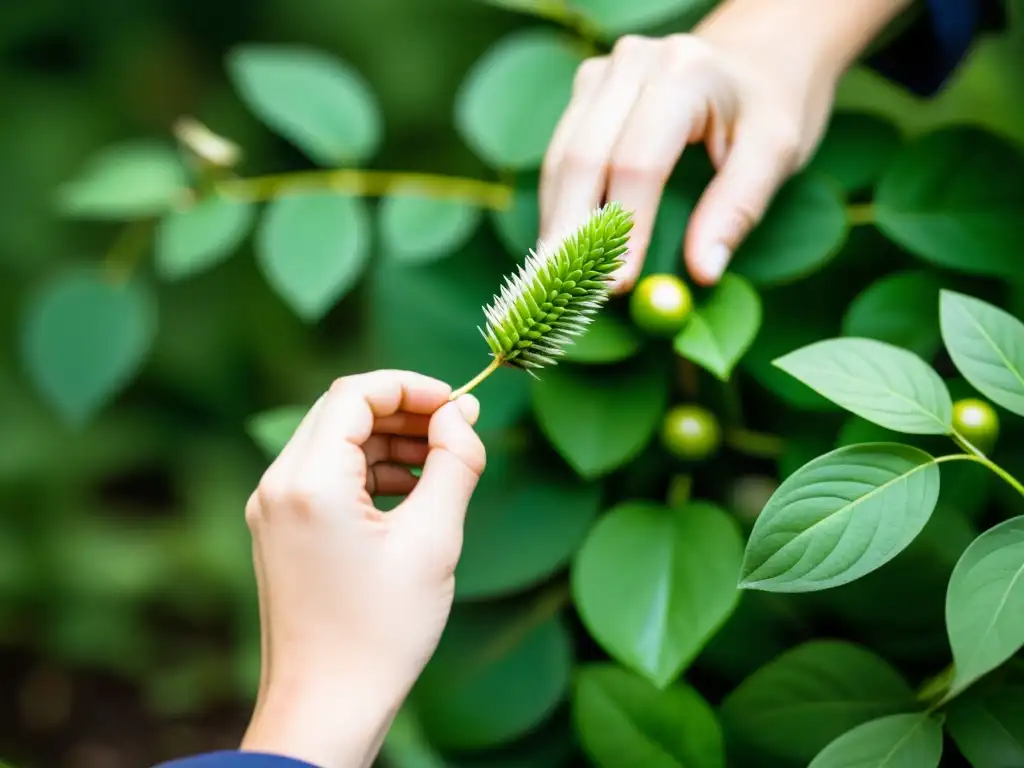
(555, 293)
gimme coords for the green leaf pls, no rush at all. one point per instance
(518, 534)
(513, 97)
(195, 239)
(987, 347)
(912, 740)
(84, 338)
(985, 602)
(132, 180)
(607, 340)
(417, 229)
(313, 248)
(271, 430)
(718, 333)
(614, 17)
(804, 227)
(856, 150)
(518, 225)
(665, 251)
(989, 729)
(653, 585)
(624, 720)
(884, 384)
(901, 309)
(598, 423)
(954, 198)
(496, 675)
(316, 101)
(832, 520)
(809, 696)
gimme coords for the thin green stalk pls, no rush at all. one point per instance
(860, 214)
(758, 444)
(484, 194)
(476, 380)
(981, 458)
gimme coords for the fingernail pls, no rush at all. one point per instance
(715, 260)
(469, 407)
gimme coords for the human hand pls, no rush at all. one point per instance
(353, 600)
(754, 83)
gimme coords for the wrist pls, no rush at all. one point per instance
(325, 725)
(809, 38)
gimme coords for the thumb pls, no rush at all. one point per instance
(733, 204)
(455, 461)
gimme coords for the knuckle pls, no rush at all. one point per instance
(785, 140)
(685, 55)
(253, 511)
(744, 216)
(638, 169)
(589, 71)
(632, 45)
(578, 160)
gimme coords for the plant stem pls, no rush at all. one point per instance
(981, 458)
(758, 444)
(860, 214)
(484, 194)
(127, 249)
(469, 385)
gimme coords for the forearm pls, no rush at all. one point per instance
(823, 37)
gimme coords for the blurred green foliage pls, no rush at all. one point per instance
(168, 317)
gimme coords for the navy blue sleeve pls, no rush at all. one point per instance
(236, 760)
(927, 53)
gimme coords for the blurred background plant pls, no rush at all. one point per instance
(172, 301)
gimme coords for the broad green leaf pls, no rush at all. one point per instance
(614, 17)
(513, 97)
(886, 385)
(517, 533)
(598, 423)
(407, 746)
(718, 333)
(192, 240)
(856, 150)
(901, 309)
(912, 740)
(316, 101)
(665, 251)
(985, 602)
(809, 696)
(989, 728)
(804, 227)
(552, 745)
(271, 430)
(84, 336)
(608, 339)
(313, 248)
(132, 180)
(624, 720)
(418, 229)
(497, 674)
(987, 347)
(439, 337)
(652, 584)
(518, 225)
(954, 198)
(833, 521)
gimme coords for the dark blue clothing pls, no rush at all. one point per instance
(922, 59)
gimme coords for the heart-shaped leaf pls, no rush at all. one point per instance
(877, 381)
(856, 150)
(316, 101)
(624, 720)
(313, 249)
(652, 585)
(598, 423)
(718, 334)
(513, 97)
(911, 740)
(84, 338)
(195, 239)
(807, 697)
(987, 347)
(840, 517)
(608, 339)
(985, 602)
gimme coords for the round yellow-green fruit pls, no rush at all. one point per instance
(690, 432)
(661, 304)
(977, 422)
